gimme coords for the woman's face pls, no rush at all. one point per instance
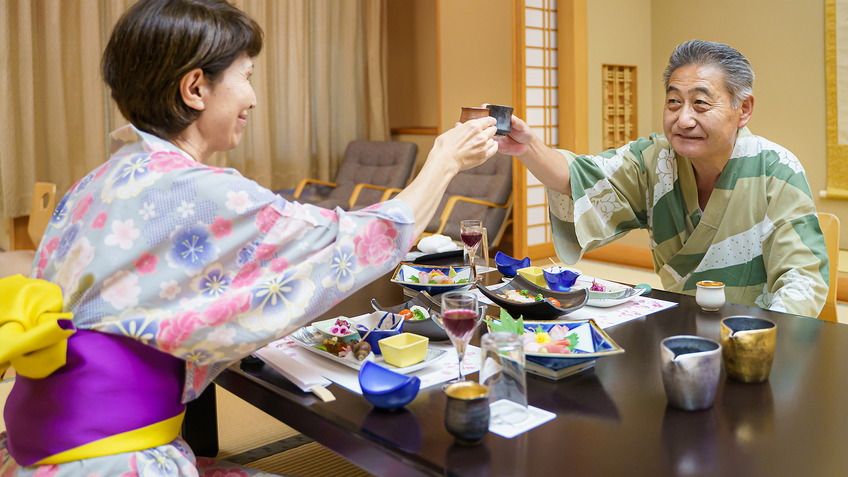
(225, 110)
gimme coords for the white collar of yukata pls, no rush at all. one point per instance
(130, 134)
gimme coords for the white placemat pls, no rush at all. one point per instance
(535, 418)
(439, 372)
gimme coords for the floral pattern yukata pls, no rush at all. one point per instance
(203, 264)
(759, 233)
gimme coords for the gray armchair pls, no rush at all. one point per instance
(369, 169)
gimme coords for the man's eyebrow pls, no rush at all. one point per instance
(697, 89)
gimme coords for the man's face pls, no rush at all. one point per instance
(699, 118)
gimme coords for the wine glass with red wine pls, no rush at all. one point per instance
(471, 233)
(460, 317)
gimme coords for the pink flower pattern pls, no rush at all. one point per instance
(375, 243)
(330, 215)
(50, 246)
(265, 251)
(167, 161)
(225, 309)
(82, 208)
(233, 472)
(46, 471)
(266, 218)
(279, 264)
(146, 263)
(133, 472)
(99, 221)
(248, 274)
(221, 228)
(173, 331)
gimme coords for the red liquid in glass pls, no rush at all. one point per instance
(460, 324)
(471, 239)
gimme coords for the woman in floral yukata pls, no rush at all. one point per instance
(158, 271)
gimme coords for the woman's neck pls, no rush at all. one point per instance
(192, 142)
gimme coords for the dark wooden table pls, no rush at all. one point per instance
(610, 421)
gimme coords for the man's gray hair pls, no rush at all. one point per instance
(738, 75)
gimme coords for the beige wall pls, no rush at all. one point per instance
(784, 41)
(476, 55)
(411, 63)
(424, 143)
(612, 39)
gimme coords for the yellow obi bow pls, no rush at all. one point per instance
(31, 339)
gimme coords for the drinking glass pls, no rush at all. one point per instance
(471, 233)
(503, 372)
(460, 317)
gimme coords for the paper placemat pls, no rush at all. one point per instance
(439, 372)
(499, 416)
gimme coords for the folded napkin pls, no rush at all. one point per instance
(306, 378)
(437, 244)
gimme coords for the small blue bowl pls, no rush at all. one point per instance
(375, 336)
(560, 279)
(509, 266)
(386, 389)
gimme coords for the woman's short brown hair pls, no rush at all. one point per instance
(157, 42)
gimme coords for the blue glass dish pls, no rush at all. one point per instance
(509, 266)
(386, 389)
(560, 279)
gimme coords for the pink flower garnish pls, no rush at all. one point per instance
(335, 330)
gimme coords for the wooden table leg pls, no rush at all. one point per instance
(200, 426)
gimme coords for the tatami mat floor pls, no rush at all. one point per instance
(243, 428)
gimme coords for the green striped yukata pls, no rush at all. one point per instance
(759, 233)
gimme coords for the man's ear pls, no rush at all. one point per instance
(194, 89)
(747, 108)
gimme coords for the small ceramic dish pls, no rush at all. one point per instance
(309, 338)
(407, 273)
(387, 326)
(560, 279)
(426, 327)
(509, 266)
(539, 310)
(386, 389)
(328, 328)
(534, 275)
(404, 349)
(588, 343)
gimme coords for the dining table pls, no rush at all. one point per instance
(613, 419)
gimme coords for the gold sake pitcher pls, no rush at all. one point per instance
(747, 345)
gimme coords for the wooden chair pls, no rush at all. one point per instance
(829, 224)
(41, 209)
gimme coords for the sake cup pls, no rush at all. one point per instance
(748, 347)
(690, 370)
(710, 295)
(467, 411)
(473, 113)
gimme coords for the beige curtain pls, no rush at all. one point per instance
(320, 83)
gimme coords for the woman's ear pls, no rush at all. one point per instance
(194, 89)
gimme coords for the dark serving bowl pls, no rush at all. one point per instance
(540, 310)
(509, 266)
(428, 327)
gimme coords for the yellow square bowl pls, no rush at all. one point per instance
(404, 349)
(535, 275)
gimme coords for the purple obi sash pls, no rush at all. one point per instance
(109, 385)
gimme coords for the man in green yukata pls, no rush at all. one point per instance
(719, 203)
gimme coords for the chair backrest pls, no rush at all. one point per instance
(490, 181)
(829, 224)
(384, 164)
(41, 209)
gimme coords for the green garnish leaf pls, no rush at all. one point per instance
(539, 329)
(414, 279)
(462, 280)
(322, 348)
(539, 297)
(572, 339)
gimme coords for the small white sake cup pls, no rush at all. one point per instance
(710, 295)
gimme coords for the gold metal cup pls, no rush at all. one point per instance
(747, 346)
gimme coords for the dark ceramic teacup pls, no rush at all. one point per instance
(467, 411)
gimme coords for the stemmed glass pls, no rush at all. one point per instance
(471, 233)
(459, 318)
